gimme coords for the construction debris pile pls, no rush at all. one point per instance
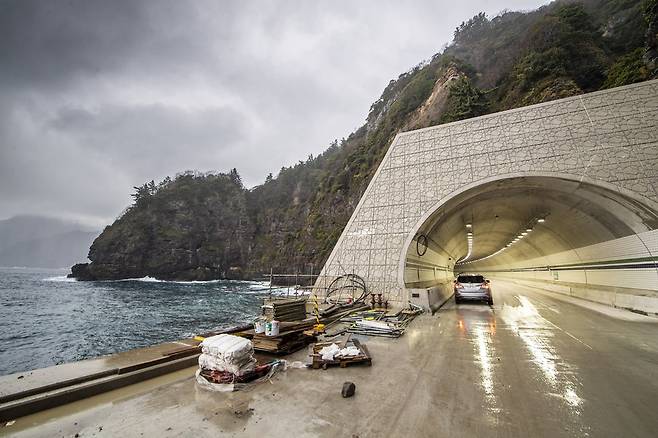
(381, 323)
(378, 322)
(228, 359)
(283, 328)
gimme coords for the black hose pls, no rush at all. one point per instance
(351, 284)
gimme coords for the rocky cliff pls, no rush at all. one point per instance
(194, 227)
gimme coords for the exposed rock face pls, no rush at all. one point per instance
(81, 272)
(429, 113)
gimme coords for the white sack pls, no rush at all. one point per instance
(228, 348)
(329, 352)
(350, 351)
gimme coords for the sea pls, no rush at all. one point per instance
(48, 319)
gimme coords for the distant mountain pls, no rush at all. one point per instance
(38, 241)
(200, 226)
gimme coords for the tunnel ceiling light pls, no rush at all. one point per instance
(522, 234)
(469, 241)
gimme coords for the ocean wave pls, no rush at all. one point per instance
(61, 278)
(250, 286)
(284, 291)
(258, 284)
(148, 279)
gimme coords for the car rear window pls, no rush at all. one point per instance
(470, 279)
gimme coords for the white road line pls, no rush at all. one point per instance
(566, 332)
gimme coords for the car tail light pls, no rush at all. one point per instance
(458, 286)
(484, 286)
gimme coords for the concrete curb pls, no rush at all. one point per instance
(435, 307)
(51, 396)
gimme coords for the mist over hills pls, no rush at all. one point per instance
(43, 242)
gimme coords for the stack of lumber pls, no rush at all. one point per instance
(289, 340)
(282, 344)
(289, 309)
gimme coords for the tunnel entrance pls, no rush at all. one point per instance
(546, 229)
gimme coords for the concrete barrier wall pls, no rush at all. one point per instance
(431, 298)
(620, 272)
(640, 300)
(627, 262)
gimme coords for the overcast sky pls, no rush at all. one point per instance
(99, 96)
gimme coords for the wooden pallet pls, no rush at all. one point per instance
(317, 362)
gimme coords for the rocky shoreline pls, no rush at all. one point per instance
(94, 272)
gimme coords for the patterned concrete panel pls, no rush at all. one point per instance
(609, 137)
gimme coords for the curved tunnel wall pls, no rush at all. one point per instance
(582, 157)
(562, 235)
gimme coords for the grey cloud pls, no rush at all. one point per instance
(152, 141)
(50, 42)
(98, 96)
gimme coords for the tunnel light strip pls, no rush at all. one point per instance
(469, 239)
(520, 235)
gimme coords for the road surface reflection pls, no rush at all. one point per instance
(558, 379)
(537, 334)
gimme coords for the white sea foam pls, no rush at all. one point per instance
(148, 279)
(259, 284)
(61, 278)
(256, 287)
(284, 291)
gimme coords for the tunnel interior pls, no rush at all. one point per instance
(544, 227)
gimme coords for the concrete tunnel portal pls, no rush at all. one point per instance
(580, 173)
(540, 229)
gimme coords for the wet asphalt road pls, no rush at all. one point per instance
(549, 368)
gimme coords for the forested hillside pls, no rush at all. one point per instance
(209, 226)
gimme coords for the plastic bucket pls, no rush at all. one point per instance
(259, 326)
(272, 328)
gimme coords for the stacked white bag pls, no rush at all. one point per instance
(228, 353)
